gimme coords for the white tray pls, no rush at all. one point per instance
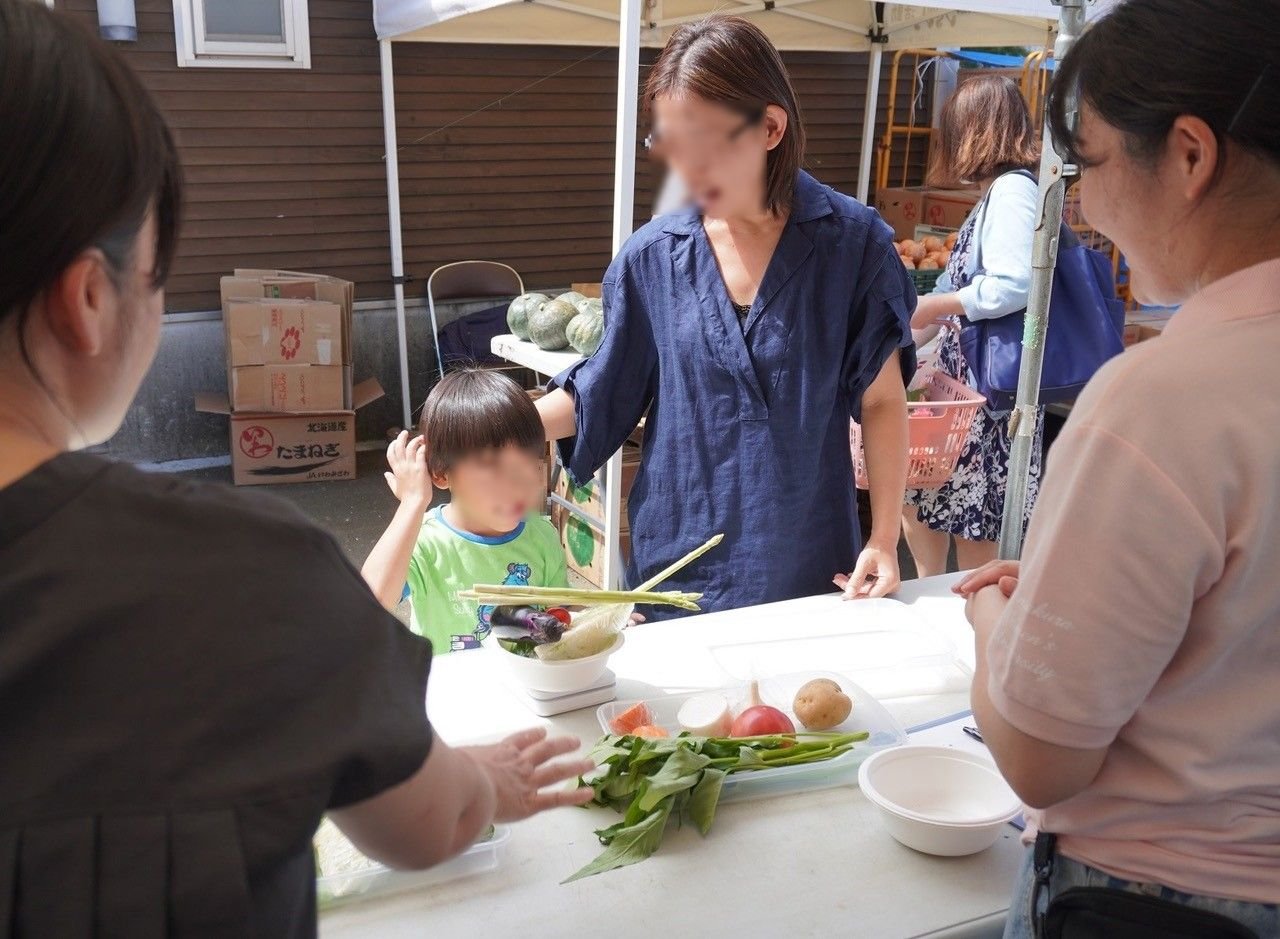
(900, 662)
(868, 714)
(339, 889)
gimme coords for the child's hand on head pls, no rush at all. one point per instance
(409, 479)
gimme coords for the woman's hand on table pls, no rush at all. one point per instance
(1003, 574)
(524, 765)
(984, 608)
(875, 575)
(409, 479)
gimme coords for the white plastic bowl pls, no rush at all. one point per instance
(558, 677)
(939, 800)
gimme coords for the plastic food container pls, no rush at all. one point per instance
(338, 889)
(559, 677)
(868, 714)
(939, 800)
(886, 663)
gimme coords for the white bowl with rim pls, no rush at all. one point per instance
(562, 676)
(939, 800)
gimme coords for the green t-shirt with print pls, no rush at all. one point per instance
(446, 560)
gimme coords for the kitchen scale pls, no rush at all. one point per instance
(551, 703)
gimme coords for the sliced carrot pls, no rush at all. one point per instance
(651, 731)
(635, 716)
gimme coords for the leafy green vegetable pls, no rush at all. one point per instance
(628, 844)
(649, 782)
(681, 772)
(524, 646)
(705, 798)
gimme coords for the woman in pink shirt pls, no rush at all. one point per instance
(1128, 672)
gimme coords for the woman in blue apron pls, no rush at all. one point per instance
(749, 328)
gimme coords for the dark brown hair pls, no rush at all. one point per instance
(473, 411)
(985, 130)
(1218, 60)
(86, 155)
(729, 61)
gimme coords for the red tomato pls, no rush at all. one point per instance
(561, 614)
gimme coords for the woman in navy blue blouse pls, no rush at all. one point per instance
(749, 328)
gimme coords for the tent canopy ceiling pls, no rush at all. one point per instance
(815, 25)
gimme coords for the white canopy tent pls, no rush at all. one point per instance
(812, 25)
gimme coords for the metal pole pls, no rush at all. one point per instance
(624, 197)
(869, 121)
(393, 219)
(1053, 188)
(878, 40)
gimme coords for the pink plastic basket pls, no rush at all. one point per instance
(936, 430)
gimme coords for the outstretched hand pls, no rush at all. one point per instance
(524, 765)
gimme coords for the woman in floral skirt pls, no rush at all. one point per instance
(987, 139)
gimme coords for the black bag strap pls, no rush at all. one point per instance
(1042, 854)
(1066, 237)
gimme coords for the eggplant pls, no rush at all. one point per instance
(517, 622)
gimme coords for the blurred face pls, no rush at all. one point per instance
(1151, 207)
(134, 332)
(91, 339)
(494, 491)
(720, 153)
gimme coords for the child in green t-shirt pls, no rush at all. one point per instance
(483, 441)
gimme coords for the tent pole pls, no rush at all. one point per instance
(393, 219)
(1053, 189)
(878, 40)
(624, 199)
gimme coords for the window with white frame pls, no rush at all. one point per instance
(242, 33)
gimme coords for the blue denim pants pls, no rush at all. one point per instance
(1262, 918)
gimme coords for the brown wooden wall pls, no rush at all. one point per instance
(506, 152)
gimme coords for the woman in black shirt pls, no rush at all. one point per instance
(189, 676)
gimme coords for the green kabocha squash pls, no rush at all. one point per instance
(548, 323)
(586, 330)
(521, 309)
(590, 303)
(572, 297)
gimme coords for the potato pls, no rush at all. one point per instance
(932, 244)
(938, 257)
(928, 264)
(821, 704)
(907, 262)
(950, 241)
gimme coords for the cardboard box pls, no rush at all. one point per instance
(286, 332)
(253, 284)
(584, 546)
(948, 208)
(300, 389)
(902, 208)
(588, 290)
(292, 448)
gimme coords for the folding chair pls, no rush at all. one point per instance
(464, 280)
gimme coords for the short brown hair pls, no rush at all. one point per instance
(729, 61)
(985, 130)
(472, 411)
